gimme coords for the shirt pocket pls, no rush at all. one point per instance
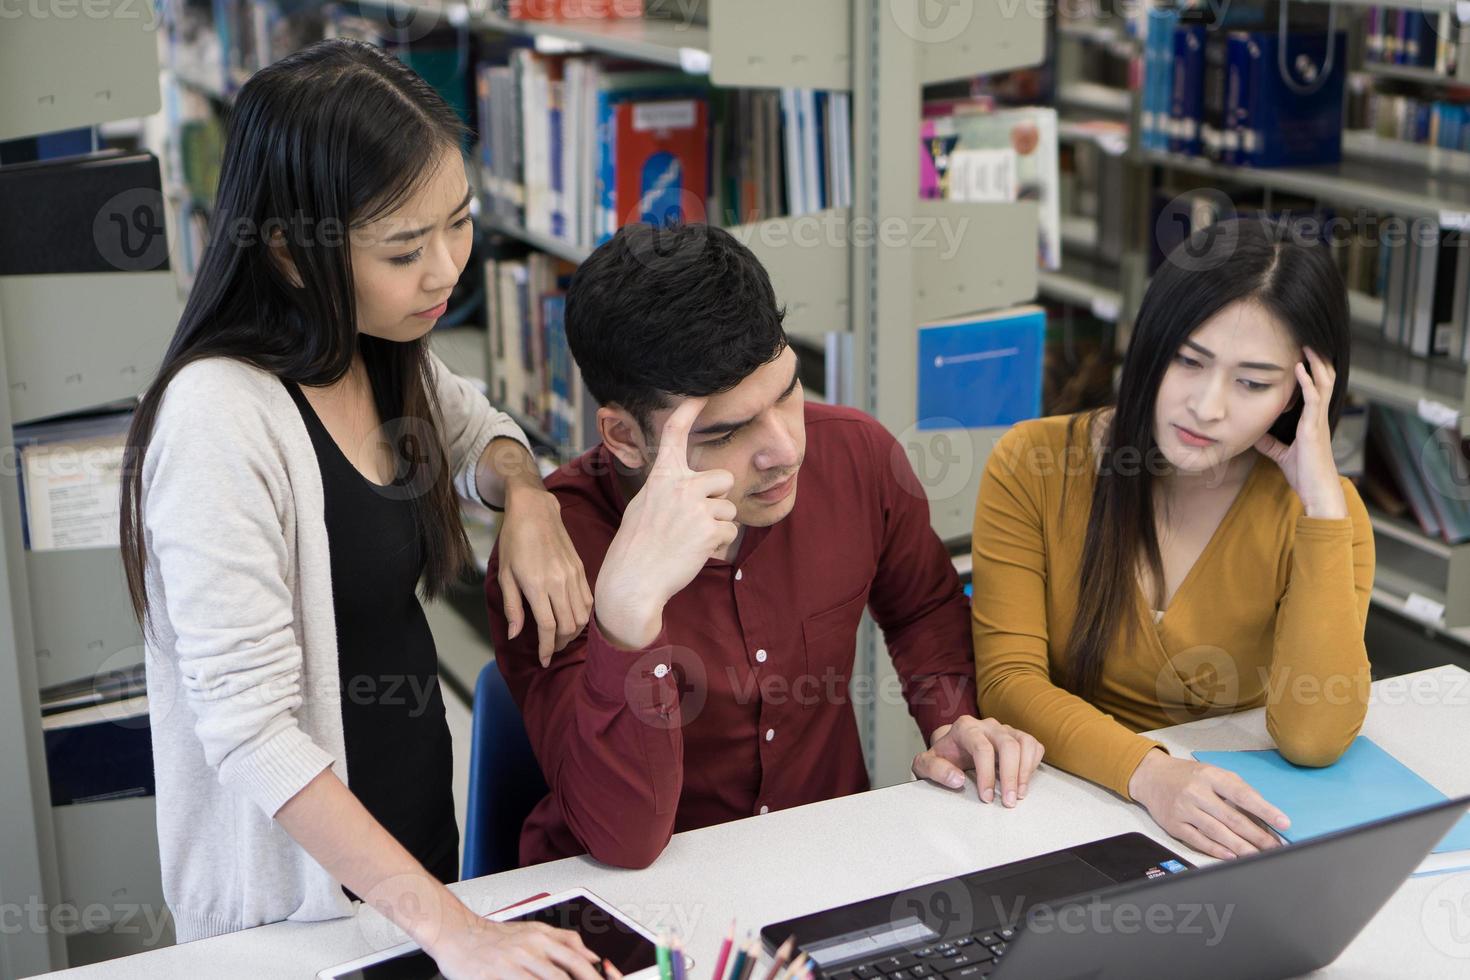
(830, 638)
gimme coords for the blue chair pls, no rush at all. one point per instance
(505, 779)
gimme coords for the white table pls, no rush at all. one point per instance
(792, 862)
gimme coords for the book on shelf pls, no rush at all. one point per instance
(532, 372)
(70, 478)
(1004, 155)
(981, 370)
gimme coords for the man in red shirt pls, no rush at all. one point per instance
(735, 534)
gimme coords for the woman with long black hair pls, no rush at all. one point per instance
(292, 477)
(1190, 551)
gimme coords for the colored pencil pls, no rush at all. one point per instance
(665, 971)
(797, 969)
(751, 959)
(724, 956)
(738, 966)
(676, 955)
(783, 956)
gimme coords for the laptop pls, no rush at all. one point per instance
(1097, 911)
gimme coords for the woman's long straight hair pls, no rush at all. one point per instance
(1247, 259)
(321, 142)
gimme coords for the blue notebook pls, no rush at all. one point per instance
(1366, 784)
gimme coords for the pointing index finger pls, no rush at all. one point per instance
(673, 446)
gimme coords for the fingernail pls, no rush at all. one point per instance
(1011, 798)
(1023, 791)
(988, 795)
(956, 780)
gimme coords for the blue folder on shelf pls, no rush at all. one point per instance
(1366, 784)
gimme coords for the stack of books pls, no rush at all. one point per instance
(1415, 469)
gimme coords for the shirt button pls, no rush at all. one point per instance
(739, 574)
(765, 810)
(661, 671)
(770, 734)
(760, 656)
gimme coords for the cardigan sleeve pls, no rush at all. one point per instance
(1013, 637)
(1320, 674)
(470, 423)
(212, 485)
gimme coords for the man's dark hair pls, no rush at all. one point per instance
(673, 310)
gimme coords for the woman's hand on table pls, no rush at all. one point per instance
(479, 949)
(1206, 807)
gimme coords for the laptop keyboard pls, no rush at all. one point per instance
(966, 958)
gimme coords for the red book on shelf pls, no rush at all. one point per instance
(662, 161)
(575, 9)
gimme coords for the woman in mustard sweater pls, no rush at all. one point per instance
(1191, 551)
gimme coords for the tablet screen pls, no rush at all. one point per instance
(603, 933)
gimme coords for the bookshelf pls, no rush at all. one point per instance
(70, 343)
(849, 287)
(1419, 577)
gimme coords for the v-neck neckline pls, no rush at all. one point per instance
(1204, 556)
(337, 451)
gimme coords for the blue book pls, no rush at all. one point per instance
(557, 156)
(1238, 141)
(1366, 784)
(1158, 82)
(981, 371)
(1186, 99)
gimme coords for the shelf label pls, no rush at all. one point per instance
(1424, 609)
(694, 61)
(1105, 308)
(550, 44)
(1457, 220)
(1438, 414)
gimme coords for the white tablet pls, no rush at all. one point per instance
(606, 931)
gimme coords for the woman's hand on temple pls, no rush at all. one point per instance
(1308, 462)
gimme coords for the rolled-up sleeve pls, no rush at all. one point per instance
(469, 424)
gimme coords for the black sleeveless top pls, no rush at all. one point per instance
(399, 761)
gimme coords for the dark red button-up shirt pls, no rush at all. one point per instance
(742, 703)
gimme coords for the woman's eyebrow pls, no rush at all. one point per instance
(408, 236)
(1253, 365)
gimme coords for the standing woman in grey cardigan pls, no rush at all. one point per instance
(292, 477)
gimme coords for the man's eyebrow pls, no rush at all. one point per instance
(408, 236)
(1253, 365)
(720, 428)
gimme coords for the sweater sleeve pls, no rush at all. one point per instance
(1319, 681)
(470, 423)
(211, 478)
(1011, 632)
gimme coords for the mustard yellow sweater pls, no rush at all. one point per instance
(1271, 613)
